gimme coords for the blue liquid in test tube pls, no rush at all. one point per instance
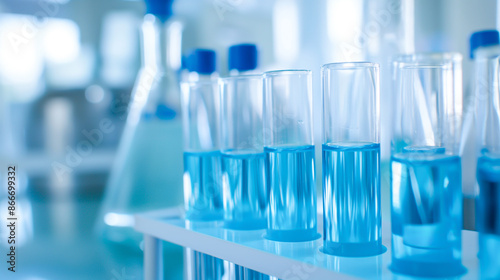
(202, 173)
(488, 205)
(352, 222)
(352, 186)
(245, 191)
(292, 211)
(289, 148)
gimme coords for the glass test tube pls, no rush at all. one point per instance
(202, 161)
(487, 99)
(244, 191)
(351, 159)
(289, 149)
(426, 194)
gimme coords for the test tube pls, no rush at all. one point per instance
(289, 149)
(426, 195)
(487, 100)
(352, 224)
(245, 195)
(200, 101)
(202, 161)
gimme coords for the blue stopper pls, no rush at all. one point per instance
(160, 8)
(242, 57)
(202, 61)
(482, 39)
(184, 62)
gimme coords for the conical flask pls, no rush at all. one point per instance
(147, 173)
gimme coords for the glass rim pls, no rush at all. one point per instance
(286, 72)
(443, 66)
(350, 65)
(428, 56)
(200, 83)
(241, 77)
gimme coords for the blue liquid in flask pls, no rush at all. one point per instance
(292, 201)
(202, 186)
(351, 197)
(488, 216)
(145, 177)
(244, 190)
(426, 213)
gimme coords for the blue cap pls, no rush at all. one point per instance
(160, 8)
(184, 62)
(202, 61)
(242, 57)
(482, 39)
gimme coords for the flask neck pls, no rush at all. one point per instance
(158, 50)
(156, 92)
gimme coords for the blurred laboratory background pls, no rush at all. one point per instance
(68, 70)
